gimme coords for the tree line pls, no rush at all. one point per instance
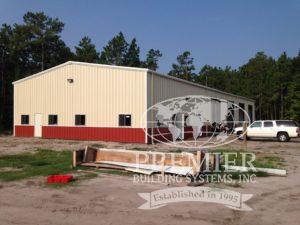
(274, 84)
(36, 45)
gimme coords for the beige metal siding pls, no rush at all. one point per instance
(101, 93)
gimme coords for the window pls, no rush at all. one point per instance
(256, 124)
(241, 112)
(79, 120)
(268, 124)
(286, 123)
(24, 119)
(52, 120)
(124, 120)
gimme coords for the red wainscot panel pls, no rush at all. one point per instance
(24, 131)
(188, 132)
(163, 134)
(114, 134)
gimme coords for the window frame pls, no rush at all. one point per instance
(76, 120)
(54, 124)
(124, 120)
(28, 122)
(251, 126)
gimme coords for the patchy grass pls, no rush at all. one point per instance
(260, 162)
(42, 162)
(269, 162)
(45, 162)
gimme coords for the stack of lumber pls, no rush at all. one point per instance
(145, 162)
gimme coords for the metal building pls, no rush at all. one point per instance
(85, 101)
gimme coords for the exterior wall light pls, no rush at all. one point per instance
(70, 80)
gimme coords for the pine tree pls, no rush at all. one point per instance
(152, 59)
(86, 51)
(114, 52)
(45, 47)
(132, 56)
(184, 67)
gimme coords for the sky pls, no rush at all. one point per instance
(217, 33)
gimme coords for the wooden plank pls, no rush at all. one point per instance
(90, 154)
(146, 172)
(180, 170)
(178, 163)
(78, 156)
(74, 164)
(130, 156)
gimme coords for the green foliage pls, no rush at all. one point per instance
(25, 49)
(184, 67)
(114, 52)
(273, 84)
(86, 51)
(42, 37)
(36, 45)
(152, 59)
(259, 162)
(132, 56)
(43, 162)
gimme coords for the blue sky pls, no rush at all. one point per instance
(217, 33)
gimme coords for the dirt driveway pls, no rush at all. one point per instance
(113, 199)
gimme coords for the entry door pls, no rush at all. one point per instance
(38, 125)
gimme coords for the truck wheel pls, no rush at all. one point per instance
(283, 137)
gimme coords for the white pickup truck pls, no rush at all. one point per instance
(283, 130)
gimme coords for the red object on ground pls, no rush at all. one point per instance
(59, 179)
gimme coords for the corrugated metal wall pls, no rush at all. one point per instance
(164, 88)
(101, 93)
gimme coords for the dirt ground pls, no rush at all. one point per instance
(113, 199)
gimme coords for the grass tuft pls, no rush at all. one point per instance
(42, 162)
